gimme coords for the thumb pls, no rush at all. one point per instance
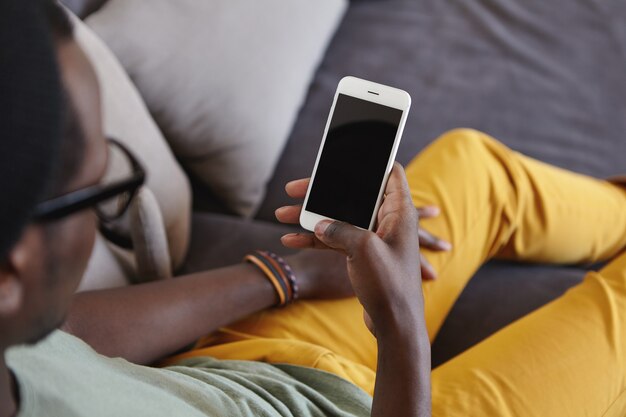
(339, 235)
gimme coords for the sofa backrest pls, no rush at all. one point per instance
(82, 8)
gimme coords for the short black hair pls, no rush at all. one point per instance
(73, 141)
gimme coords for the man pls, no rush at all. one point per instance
(45, 253)
(517, 208)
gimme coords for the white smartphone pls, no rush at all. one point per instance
(357, 153)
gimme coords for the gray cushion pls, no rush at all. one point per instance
(220, 240)
(546, 78)
(497, 295)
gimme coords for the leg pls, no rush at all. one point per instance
(480, 186)
(567, 358)
(327, 335)
(498, 203)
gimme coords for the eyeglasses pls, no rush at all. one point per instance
(110, 199)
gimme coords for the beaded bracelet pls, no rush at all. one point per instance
(291, 277)
(278, 272)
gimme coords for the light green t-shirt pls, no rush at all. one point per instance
(62, 376)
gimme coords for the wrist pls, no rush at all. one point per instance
(413, 334)
(403, 327)
(302, 271)
(279, 273)
(403, 373)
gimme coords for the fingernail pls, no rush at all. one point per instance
(430, 276)
(288, 235)
(434, 210)
(433, 274)
(321, 227)
(445, 245)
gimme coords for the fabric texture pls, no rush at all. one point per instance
(545, 78)
(127, 120)
(224, 80)
(149, 240)
(496, 203)
(82, 8)
(63, 377)
(30, 115)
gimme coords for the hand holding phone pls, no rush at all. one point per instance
(392, 253)
(350, 177)
(356, 155)
(383, 269)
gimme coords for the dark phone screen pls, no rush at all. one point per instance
(353, 161)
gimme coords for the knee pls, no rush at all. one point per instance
(463, 155)
(465, 142)
(468, 148)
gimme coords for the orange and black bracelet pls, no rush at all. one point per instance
(278, 272)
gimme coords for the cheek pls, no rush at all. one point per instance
(60, 264)
(73, 249)
(80, 240)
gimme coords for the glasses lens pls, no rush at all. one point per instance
(119, 168)
(114, 207)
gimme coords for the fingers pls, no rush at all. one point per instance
(289, 214)
(428, 272)
(398, 218)
(427, 212)
(426, 239)
(431, 242)
(302, 241)
(340, 235)
(297, 188)
(397, 196)
(398, 185)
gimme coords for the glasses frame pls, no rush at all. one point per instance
(88, 197)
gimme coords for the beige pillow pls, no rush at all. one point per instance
(224, 79)
(127, 119)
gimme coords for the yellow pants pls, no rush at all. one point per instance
(567, 358)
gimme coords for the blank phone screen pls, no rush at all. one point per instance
(352, 165)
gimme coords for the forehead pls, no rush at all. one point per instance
(81, 84)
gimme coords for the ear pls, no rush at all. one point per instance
(11, 289)
(14, 270)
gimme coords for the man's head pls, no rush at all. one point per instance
(52, 144)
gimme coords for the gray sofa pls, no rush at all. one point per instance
(546, 78)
